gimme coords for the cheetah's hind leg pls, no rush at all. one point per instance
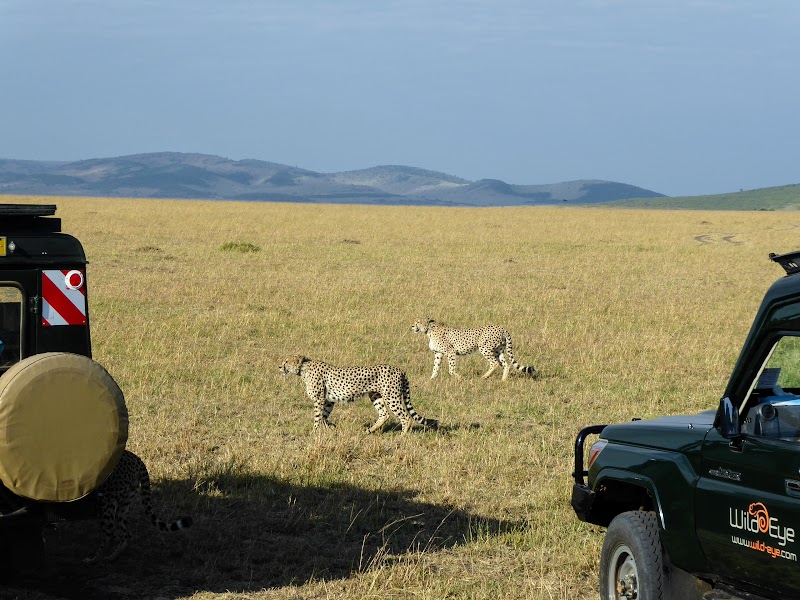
(491, 357)
(380, 406)
(114, 519)
(107, 534)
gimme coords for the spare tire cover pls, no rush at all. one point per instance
(63, 426)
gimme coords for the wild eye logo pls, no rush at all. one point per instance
(756, 520)
(759, 511)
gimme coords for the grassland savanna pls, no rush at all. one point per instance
(194, 305)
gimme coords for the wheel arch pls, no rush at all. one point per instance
(618, 491)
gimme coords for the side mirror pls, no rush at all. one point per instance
(728, 420)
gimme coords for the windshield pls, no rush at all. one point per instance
(774, 399)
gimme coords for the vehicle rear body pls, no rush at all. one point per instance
(43, 278)
(43, 308)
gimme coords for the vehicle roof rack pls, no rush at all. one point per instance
(28, 219)
(27, 210)
(789, 261)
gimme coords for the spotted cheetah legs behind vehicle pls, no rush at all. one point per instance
(386, 386)
(116, 494)
(493, 342)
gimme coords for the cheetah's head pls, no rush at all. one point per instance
(422, 325)
(292, 364)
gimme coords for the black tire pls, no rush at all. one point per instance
(632, 559)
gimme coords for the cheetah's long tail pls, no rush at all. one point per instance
(147, 502)
(431, 423)
(530, 371)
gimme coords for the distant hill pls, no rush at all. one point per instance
(784, 197)
(203, 176)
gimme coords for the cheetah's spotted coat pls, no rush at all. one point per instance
(116, 494)
(493, 342)
(386, 386)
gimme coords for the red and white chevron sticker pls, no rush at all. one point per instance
(63, 298)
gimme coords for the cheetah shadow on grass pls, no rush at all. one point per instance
(251, 533)
(443, 429)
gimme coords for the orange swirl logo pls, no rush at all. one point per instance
(759, 512)
(757, 520)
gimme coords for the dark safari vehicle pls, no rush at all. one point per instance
(63, 420)
(708, 505)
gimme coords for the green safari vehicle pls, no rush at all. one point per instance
(63, 419)
(707, 505)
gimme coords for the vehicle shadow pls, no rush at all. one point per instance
(249, 533)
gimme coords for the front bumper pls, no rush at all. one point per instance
(582, 500)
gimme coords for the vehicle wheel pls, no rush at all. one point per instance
(632, 559)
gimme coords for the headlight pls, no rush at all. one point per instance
(595, 451)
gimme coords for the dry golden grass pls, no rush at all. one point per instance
(194, 304)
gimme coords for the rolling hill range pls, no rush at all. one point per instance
(203, 176)
(784, 197)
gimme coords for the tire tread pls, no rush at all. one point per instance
(639, 531)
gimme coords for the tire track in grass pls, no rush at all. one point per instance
(707, 239)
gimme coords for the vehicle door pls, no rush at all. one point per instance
(748, 494)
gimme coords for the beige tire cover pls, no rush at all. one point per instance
(63, 426)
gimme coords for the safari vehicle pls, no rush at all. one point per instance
(707, 505)
(63, 420)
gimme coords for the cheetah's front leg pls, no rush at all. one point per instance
(437, 362)
(326, 412)
(451, 365)
(322, 410)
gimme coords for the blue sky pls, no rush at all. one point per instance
(683, 97)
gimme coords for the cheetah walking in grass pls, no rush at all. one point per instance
(493, 342)
(386, 386)
(116, 494)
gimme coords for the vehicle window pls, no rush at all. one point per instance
(775, 399)
(10, 325)
(786, 359)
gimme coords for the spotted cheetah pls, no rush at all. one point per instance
(385, 386)
(115, 495)
(491, 341)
